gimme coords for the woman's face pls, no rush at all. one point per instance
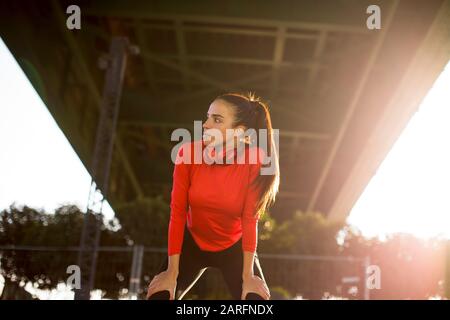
(220, 116)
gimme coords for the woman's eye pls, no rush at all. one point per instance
(216, 120)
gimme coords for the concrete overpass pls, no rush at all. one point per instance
(339, 93)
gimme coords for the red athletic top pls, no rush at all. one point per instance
(215, 199)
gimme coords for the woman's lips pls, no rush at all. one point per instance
(207, 137)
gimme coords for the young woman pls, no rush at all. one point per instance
(215, 206)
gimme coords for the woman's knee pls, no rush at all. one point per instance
(160, 295)
(253, 296)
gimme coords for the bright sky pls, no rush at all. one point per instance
(38, 166)
(411, 190)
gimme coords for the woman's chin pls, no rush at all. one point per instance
(209, 143)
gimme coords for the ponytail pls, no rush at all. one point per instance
(253, 113)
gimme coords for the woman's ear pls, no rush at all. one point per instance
(243, 138)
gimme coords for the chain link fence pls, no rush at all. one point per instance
(125, 272)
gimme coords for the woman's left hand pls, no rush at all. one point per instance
(254, 284)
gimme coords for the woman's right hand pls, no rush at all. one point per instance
(163, 281)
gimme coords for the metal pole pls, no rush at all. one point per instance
(115, 64)
(447, 270)
(136, 270)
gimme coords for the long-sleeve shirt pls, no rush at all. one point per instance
(216, 200)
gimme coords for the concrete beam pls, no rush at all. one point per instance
(307, 14)
(352, 106)
(428, 63)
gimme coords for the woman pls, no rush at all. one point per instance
(221, 202)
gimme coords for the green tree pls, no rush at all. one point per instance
(304, 233)
(145, 221)
(25, 226)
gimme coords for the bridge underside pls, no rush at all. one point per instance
(339, 93)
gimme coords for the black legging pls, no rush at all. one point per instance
(194, 262)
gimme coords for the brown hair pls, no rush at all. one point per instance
(253, 113)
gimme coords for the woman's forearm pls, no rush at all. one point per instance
(248, 264)
(173, 265)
